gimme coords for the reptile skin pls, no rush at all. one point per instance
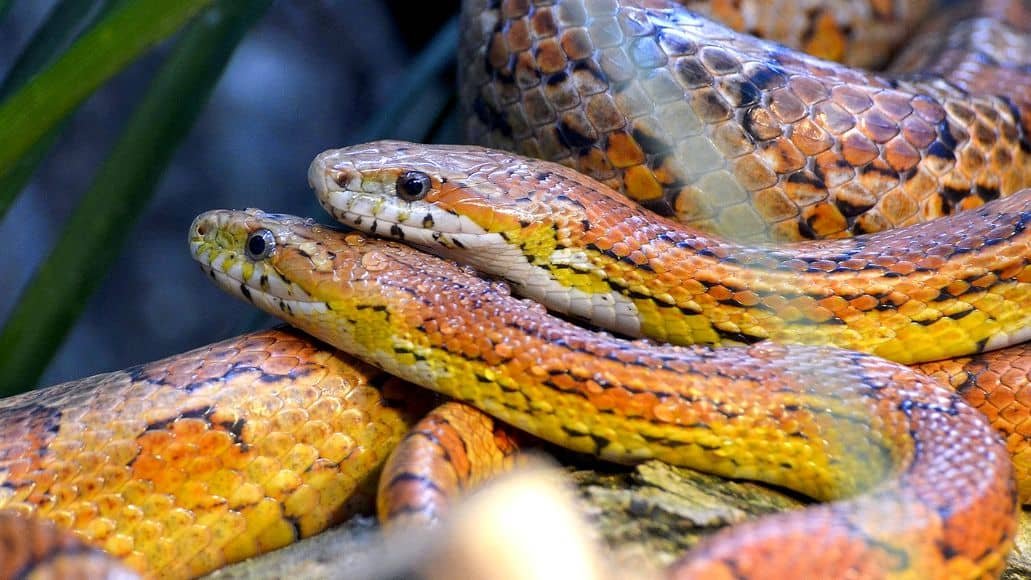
(452, 449)
(857, 32)
(747, 138)
(924, 486)
(953, 287)
(579, 248)
(182, 465)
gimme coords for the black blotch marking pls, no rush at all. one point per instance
(675, 43)
(737, 336)
(592, 68)
(879, 170)
(981, 344)
(945, 136)
(805, 229)
(194, 413)
(851, 210)
(811, 179)
(986, 193)
(421, 480)
(649, 143)
(572, 137)
(692, 73)
(961, 315)
(952, 196)
(493, 119)
(941, 151)
(1018, 121)
(748, 124)
(557, 78)
(720, 61)
(744, 92)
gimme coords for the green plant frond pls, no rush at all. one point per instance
(94, 234)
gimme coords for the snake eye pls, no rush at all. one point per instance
(413, 185)
(260, 244)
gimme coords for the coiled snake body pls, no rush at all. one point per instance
(749, 139)
(180, 466)
(932, 488)
(211, 456)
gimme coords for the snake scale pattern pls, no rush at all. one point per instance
(748, 139)
(180, 466)
(924, 484)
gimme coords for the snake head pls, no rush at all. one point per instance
(455, 201)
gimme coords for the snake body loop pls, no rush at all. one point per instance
(182, 465)
(747, 138)
(452, 449)
(929, 482)
(953, 287)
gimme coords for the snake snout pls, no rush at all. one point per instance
(199, 229)
(328, 172)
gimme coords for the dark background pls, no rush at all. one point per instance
(310, 76)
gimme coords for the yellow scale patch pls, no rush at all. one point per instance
(187, 495)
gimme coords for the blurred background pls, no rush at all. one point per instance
(304, 77)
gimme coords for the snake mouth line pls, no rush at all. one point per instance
(374, 214)
(261, 299)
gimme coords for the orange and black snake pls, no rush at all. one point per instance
(180, 466)
(923, 485)
(748, 138)
(916, 147)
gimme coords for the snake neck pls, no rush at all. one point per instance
(910, 296)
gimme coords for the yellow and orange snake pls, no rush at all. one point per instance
(182, 465)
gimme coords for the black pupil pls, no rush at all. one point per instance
(256, 245)
(413, 185)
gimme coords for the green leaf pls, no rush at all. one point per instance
(96, 231)
(121, 37)
(66, 21)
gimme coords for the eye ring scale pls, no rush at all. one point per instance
(413, 185)
(260, 244)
